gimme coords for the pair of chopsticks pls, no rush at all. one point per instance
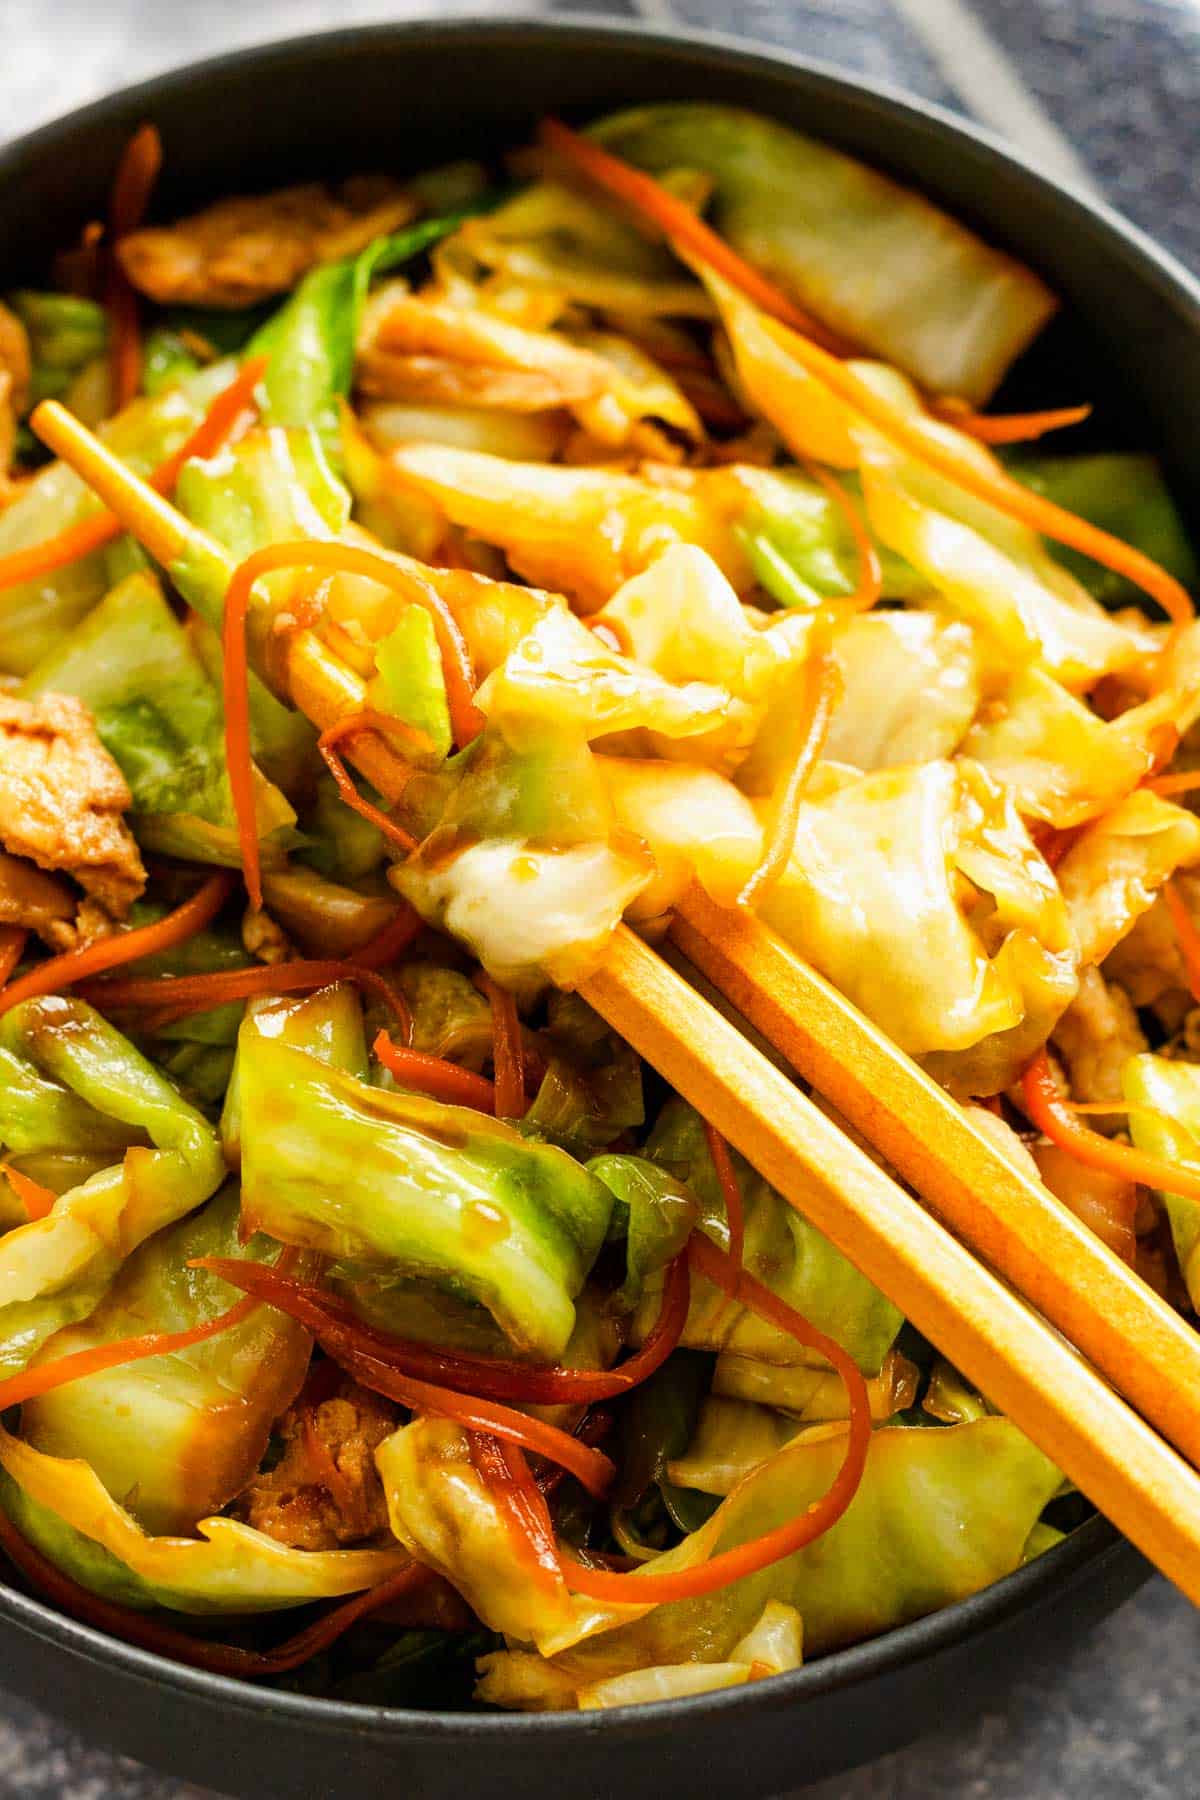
(1002, 1328)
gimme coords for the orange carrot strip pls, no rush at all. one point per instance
(823, 685)
(435, 1076)
(216, 425)
(507, 1060)
(505, 1473)
(93, 533)
(758, 1553)
(1007, 428)
(175, 996)
(731, 1191)
(336, 1326)
(350, 1347)
(136, 174)
(1182, 781)
(200, 1653)
(348, 559)
(870, 569)
(1052, 1114)
(389, 944)
(366, 720)
(678, 222)
(59, 972)
(994, 486)
(12, 948)
(43, 1378)
(36, 1199)
(813, 349)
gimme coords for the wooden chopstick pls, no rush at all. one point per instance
(1143, 1346)
(1024, 1367)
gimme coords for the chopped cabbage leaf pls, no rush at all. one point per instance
(399, 1184)
(815, 1396)
(1164, 1119)
(35, 614)
(1112, 873)
(889, 872)
(910, 688)
(791, 1256)
(443, 1512)
(555, 237)
(1062, 763)
(53, 1270)
(1123, 492)
(64, 1509)
(875, 260)
(581, 531)
(938, 1515)
(160, 716)
(174, 1437)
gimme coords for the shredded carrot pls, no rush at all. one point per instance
(1006, 428)
(678, 222)
(992, 485)
(12, 948)
(176, 996)
(813, 349)
(434, 1076)
(728, 1566)
(348, 559)
(1186, 935)
(492, 1377)
(201, 1653)
(731, 1191)
(93, 533)
(1051, 1113)
(870, 569)
(822, 686)
(43, 1378)
(1182, 781)
(58, 972)
(136, 174)
(217, 425)
(345, 1344)
(506, 1051)
(36, 1199)
(504, 1471)
(350, 726)
(389, 944)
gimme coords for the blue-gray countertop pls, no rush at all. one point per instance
(1105, 92)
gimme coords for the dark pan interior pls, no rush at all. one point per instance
(403, 98)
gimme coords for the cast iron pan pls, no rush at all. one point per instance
(403, 98)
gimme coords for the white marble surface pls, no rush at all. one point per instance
(1120, 81)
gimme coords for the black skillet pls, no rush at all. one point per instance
(403, 98)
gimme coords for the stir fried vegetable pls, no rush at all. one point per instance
(460, 576)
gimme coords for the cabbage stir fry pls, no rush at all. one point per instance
(496, 553)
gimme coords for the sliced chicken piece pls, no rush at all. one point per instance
(1096, 1036)
(45, 904)
(62, 796)
(325, 1490)
(251, 246)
